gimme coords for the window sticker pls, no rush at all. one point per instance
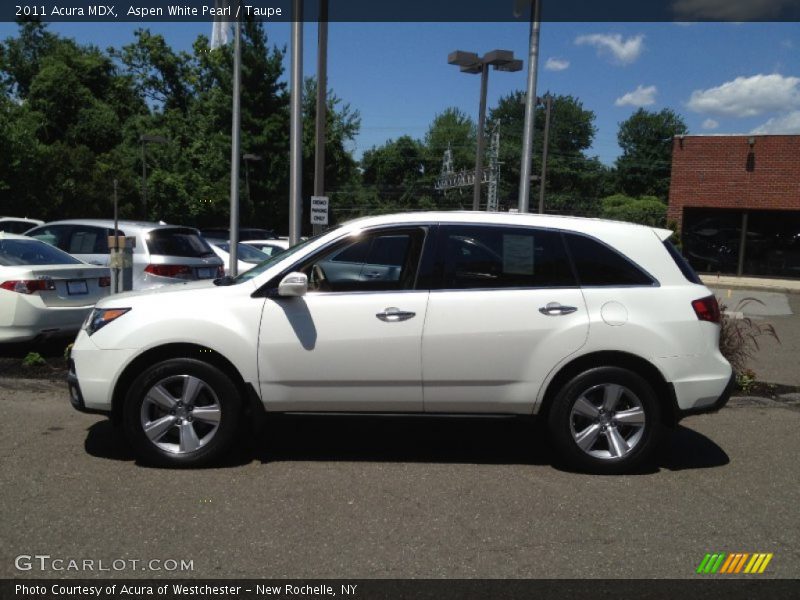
(518, 254)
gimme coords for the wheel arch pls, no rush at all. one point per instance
(249, 396)
(643, 367)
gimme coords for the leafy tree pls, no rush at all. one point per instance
(647, 210)
(572, 176)
(646, 161)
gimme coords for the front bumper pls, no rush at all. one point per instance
(75, 395)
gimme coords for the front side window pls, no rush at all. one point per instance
(600, 265)
(488, 256)
(370, 262)
(55, 235)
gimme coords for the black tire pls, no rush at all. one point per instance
(605, 455)
(217, 399)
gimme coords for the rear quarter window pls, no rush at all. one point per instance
(682, 263)
(600, 265)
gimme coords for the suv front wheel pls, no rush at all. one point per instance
(606, 420)
(181, 413)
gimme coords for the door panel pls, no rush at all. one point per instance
(331, 352)
(351, 343)
(504, 311)
(489, 351)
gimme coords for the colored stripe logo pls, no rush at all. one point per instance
(733, 563)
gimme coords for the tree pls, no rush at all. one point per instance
(647, 210)
(572, 176)
(644, 166)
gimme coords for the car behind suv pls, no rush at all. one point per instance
(599, 328)
(163, 253)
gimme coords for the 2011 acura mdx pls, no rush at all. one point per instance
(598, 327)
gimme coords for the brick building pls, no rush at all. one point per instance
(736, 199)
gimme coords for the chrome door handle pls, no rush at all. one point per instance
(394, 314)
(553, 309)
(372, 275)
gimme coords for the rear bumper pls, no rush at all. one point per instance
(714, 406)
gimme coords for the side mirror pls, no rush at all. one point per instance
(294, 284)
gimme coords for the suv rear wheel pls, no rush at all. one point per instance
(606, 420)
(181, 413)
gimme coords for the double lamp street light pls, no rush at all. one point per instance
(470, 62)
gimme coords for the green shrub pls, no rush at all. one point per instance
(33, 359)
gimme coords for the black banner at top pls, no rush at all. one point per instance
(400, 10)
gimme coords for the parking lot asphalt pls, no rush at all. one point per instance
(324, 497)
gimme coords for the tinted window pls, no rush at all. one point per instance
(55, 235)
(32, 252)
(355, 253)
(89, 240)
(177, 242)
(597, 264)
(245, 253)
(683, 265)
(16, 226)
(502, 257)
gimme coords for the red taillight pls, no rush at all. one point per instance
(28, 286)
(178, 271)
(707, 309)
(104, 282)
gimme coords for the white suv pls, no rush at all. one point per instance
(600, 328)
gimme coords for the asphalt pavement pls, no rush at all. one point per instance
(318, 497)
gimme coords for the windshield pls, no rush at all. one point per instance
(245, 253)
(178, 242)
(257, 270)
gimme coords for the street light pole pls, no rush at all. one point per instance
(469, 62)
(233, 267)
(530, 113)
(296, 126)
(476, 189)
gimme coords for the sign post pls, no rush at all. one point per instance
(319, 213)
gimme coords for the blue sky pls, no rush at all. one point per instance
(721, 77)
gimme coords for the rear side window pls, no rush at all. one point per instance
(55, 235)
(600, 265)
(89, 240)
(178, 242)
(682, 263)
(486, 257)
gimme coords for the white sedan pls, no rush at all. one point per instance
(44, 291)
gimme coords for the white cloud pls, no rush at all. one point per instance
(748, 96)
(786, 124)
(710, 124)
(622, 51)
(556, 64)
(641, 96)
(725, 10)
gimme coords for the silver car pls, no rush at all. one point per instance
(163, 254)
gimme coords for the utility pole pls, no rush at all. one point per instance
(530, 112)
(296, 126)
(545, 144)
(236, 158)
(470, 62)
(322, 104)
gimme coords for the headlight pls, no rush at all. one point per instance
(100, 317)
